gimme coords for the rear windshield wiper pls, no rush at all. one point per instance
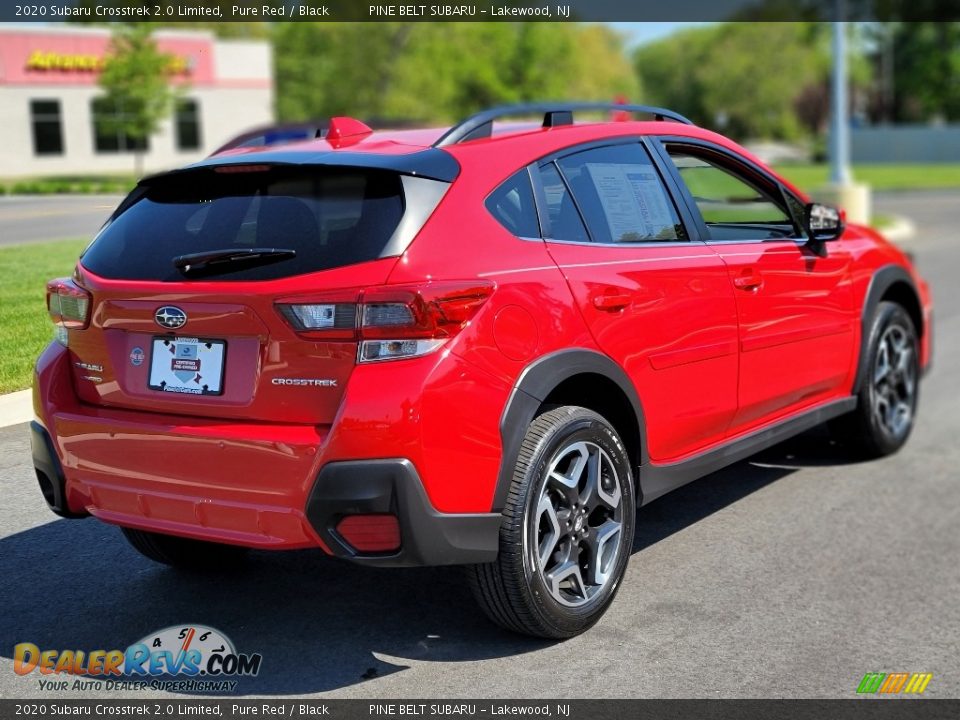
(213, 261)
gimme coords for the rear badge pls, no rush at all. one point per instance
(137, 356)
(170, 317)
(89, 366)
(309, 382)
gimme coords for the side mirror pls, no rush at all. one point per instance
(823, 222)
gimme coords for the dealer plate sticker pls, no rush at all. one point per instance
(192, 366)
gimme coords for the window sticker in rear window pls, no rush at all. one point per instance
(633, 201)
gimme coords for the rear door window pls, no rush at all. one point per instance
(621, 195)
(330, 217)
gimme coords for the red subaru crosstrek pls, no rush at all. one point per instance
(485, 346)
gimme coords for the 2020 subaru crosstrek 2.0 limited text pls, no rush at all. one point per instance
(484, 346)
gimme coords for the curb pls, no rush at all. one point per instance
(16, 408)
(901, 230)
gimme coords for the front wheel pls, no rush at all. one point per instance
(567, 529)
(887, 401)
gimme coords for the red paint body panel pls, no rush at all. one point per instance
(717, 339)
(676, 339)
(796, 326)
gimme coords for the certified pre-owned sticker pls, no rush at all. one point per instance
(305, 382)
(137, 356)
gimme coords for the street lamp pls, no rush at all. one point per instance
(853, 197)
(839, 104)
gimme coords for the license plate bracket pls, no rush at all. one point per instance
(186, 365)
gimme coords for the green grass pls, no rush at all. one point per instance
(25, 327)
(930, 176)
(67, 184)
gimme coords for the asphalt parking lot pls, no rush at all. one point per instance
(30, 219)
(790, 575)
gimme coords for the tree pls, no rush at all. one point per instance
(138, 91)
(920, 65)
(438, 72)
(749, 80)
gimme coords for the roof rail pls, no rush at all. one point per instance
(554, 114)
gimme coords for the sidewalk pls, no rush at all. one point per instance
(901, 230)
(16, 408)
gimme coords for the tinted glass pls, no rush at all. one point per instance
(329, 217)
(47, 130)
(513, 206)
(188, 125)
(562, 214)
(733, 205)
(621, 195)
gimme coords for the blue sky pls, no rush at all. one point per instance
(640, 33)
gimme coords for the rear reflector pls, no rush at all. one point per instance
(68, 305)
(370, 533)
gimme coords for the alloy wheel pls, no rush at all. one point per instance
(579, 523)
(894, 381)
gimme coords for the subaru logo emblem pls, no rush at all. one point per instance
(170, 317)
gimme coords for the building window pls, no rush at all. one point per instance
(47, 129)
(108, 133)
(187, 123)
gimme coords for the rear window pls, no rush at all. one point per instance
(330, 217)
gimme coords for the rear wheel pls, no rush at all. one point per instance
(184, 552)
(567, 528)
(887, 401)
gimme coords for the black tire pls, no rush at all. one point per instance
(887, 400)
(184, 552)
(543, 583)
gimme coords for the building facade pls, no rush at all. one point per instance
(55, 118)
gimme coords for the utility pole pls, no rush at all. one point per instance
(839, 103)
(842, 191)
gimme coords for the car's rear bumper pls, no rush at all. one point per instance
(257, 485)
(392, 486)
(238, 484)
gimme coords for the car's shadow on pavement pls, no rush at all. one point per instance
(320, 624)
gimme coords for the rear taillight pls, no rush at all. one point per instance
(408, 321)
(69, 307)
(392, 321)
(322, 320)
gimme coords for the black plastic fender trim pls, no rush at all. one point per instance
(881, 281)
(534, 385)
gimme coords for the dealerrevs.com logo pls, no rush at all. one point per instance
(180, 658)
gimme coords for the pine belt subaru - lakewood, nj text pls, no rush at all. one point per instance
(480, 346)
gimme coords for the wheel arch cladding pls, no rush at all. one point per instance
(570, 377)
(891, 283)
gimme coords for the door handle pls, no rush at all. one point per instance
(749, 279)
(611, 301)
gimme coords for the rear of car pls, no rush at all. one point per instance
(208, 337)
